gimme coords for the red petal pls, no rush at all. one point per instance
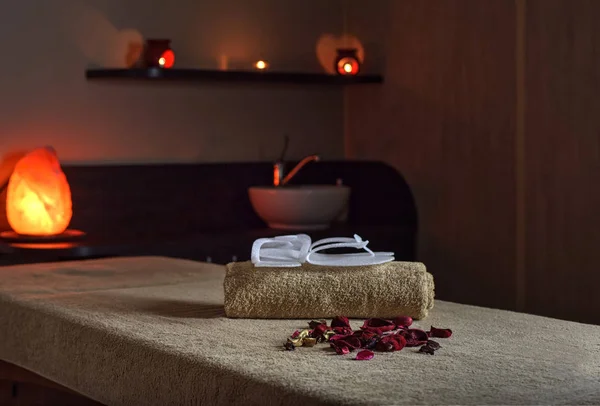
(338, 337)
(342, 330)
(319, 330)
(341, 349)
(391, 343)
(401, 342)
(440, 332)
(365, 355)
(296, 334)
(374, 330)
(364, 335)
(350, 342)
(384, 346)
(378, 326)
(414, 337)
(377, 322)
(340, 321)
(403, 321)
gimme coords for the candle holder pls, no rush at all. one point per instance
(346, 62)
(158, 54)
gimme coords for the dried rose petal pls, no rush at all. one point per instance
(319, 330)
(340, 321)
(403, 321)
(338, 337)
(367, 339)
(401, 340)
(414, 337)
(380, 323)
(377, 325)
(384, 346)
(350, 342)
(391, 343)
(341, 349)
(295, 334)
(354, 341)
(342, 330)
(440, 332)
(314, 323)
(364, 355)
(364, 336)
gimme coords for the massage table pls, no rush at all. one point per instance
(152, 331)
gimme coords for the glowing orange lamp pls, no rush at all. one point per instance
(38, 200)
(347, 63)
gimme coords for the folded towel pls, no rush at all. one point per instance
(312, 291)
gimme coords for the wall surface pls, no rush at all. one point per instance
(562, 150)
(46, 99)
(445, 118)
(490, 109)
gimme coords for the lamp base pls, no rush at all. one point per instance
(66, 236)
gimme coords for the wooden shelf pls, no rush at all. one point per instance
(197, 75)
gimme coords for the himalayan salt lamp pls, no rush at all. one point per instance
(38, 200)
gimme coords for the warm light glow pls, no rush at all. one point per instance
(261, 65)
(38, 199)
(277, 175)
(167, 59)
(348, 66)
(328, 44)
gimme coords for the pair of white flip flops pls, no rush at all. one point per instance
(294, 250)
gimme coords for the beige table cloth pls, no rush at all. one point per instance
(151, 331)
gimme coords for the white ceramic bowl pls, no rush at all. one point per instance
(306, 207)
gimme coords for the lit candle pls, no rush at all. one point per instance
(347, 62)
(261, 65)
(167, 59)
(348, 66)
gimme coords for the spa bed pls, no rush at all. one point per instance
(151, 331)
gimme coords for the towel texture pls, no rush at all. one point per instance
(309, 291)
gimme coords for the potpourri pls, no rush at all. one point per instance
(376, 334)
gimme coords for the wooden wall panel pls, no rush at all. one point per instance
(563, 159)
(445, 118)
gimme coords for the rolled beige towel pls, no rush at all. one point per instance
(311, 291)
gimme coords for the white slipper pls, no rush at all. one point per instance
(294, 250)
(280, 251)
(353, 259)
